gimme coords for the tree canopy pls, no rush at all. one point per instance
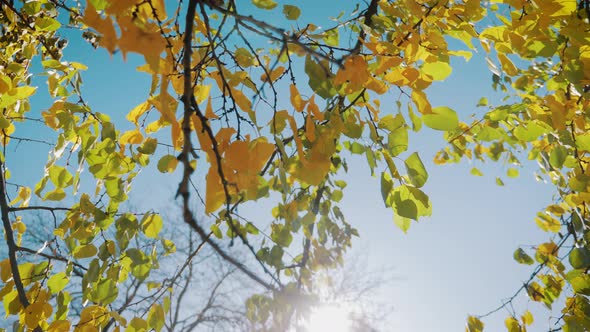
(264, 104)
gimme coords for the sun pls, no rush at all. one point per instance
(329, 317)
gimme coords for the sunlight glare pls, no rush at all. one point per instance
(329, 318)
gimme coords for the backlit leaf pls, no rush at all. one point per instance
(441, 118)
(151, 225)
(416, 170)
(438, 70)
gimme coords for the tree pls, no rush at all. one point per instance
(218, 71)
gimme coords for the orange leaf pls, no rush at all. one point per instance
(209, 110)
(103, 26)
(313, 108)
(421, 102)
(146, 41)
(274, 75)
(296, 100)
(215, 195)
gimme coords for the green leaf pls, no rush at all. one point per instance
(148, 146)
(401, 222)
(99, 4)
(137, 325)
(531, 132)
(416, 170)
(386, 186)
(319, 77)
(216, 231)
(332, 37)
(264, 4)
(407, 208)
(499, 182)
(276, 256)
(583, 142)
(57, 282)
(169, 246)
(580, 258)
(476, 172)
(47, 24)
(167, 163)
(104, 292)
(438, 70)
(397, 141)
(156, 317)
(281, 235)
(85, 251)
(580, 281)
(23, 92)
(441, 118)
(244, 58)
(512, 173)
(522, 257)
(557, 156)
(391, 123)
(415, 119)
(291, 12)
(482, 102)
(4, 123)
(60, 176)
(151, 225)
(410, 202)
(357, 148)
(55, 195)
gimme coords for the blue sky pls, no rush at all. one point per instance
(457, 262)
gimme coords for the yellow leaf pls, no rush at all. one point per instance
(84, 251)
(474, 324)
(91, 316)
(422, 103)
(512, 324)
(5, 271)
(36, 313)
(19, 226)
(58, 326)
(310, 129)
(103, 26)
(527, 318)
(242, 101)
(244, 58)
(507, 65)
(387, 63)
(376, 85)
(138, 111)
(146, 40)
(438, 70)
(202, 92)
(24, 195)
(131, 137)
(5, 84)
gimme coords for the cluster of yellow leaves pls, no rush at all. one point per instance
(135, 21)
